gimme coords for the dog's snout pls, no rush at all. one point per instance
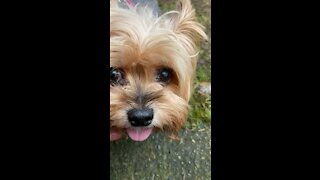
(140, 117)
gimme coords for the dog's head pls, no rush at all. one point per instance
(152, 63)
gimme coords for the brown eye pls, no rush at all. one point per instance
(164, 75)
(117, 76)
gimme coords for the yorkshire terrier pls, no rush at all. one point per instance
(152, 64)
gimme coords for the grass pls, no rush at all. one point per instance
(200, 104)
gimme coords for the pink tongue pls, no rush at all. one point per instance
(139, 134)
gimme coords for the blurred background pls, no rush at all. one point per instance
(159, 157)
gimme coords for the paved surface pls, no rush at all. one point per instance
(162, 158)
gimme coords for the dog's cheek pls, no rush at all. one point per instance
(171, 113)
(118, 117)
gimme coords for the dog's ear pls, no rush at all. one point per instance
(184, 24)
(189, 33)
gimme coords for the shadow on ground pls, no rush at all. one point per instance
(161, 158)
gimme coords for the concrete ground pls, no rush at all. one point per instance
(161, 158)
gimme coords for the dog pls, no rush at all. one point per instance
(153, 59)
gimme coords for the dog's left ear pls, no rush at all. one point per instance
(190, 32)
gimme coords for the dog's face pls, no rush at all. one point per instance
(152, 63)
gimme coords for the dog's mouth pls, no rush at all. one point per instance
(139, 133)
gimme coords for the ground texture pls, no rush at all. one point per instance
(162, 158)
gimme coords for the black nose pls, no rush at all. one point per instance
(140, 117)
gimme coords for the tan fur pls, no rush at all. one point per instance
(140, 44)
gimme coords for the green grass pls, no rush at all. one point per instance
(166, 5)
(200, 110)
(203, 74)
(200, 104)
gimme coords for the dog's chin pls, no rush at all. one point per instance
(139, 133)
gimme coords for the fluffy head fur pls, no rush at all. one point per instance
(140, 45)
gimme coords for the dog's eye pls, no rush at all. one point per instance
(117, 76)
(164, 75)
